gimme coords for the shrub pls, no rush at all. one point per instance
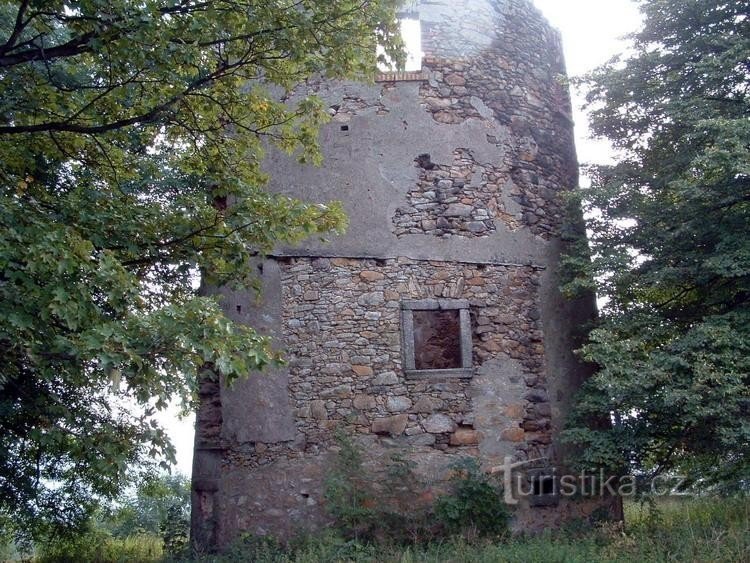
(349, 495)
(98, 546)
(383, 508)
(393, 507)
(474, 506)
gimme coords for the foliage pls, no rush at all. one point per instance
(474, 505)
(175, 531)
(159, 506)
(250, 547)
(349, 493)
(130, 140)
(392, 505)
(406, 509)
(678, 529)
(388, 504)
(669, 229)
(148, 523)
(700, 530)
(95, 545)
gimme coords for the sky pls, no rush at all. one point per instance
(591, 32)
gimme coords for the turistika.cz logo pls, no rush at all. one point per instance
(547, 481)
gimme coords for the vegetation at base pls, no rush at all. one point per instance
(696, 529)
(669, 234)
(150, 523)
(98, 546)
(690, 529)
(160, 507)
(394, 505)
(474, 504)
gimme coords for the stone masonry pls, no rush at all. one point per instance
(353, 382)
(453, 180)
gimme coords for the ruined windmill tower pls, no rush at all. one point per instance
(434, 328)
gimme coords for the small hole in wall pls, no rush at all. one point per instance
(481, 267)
(345, 128)
(260, 269)
(424, 161)
(239, 308)
(379, 262)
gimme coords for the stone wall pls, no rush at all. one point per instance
(516, 81)
(463, 198)
(341, 327)
(515, 77)
(452, 178)
(342, 331)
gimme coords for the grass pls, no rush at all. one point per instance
(691, 529)
(100, 548)
(695, 530)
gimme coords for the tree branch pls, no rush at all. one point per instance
(75, 46)
(18, 28)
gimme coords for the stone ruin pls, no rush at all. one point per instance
(434, 328)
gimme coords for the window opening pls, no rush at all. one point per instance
(436, 338)
(411, 33)
(543, 487)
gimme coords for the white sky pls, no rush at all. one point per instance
(591, 31)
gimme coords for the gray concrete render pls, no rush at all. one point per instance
(452, 179)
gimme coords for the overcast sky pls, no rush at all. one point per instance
(591, 32)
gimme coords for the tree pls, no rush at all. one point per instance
(159, 506)
(130, 140)
(149, 507)
(669, 228)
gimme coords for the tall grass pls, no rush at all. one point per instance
(102, 548)
(694, 530)
(691, 529)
